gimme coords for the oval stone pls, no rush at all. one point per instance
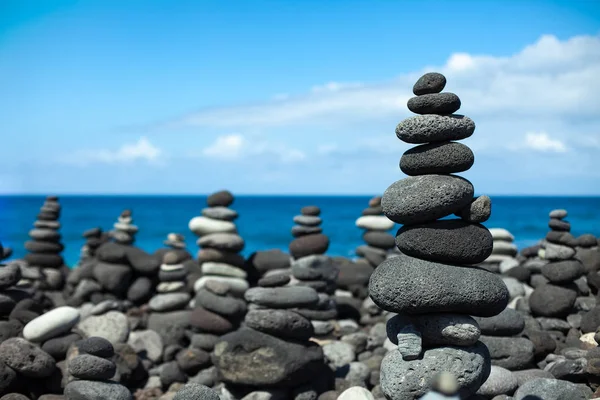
(374, 223)
(283, 297)
(437, 158)
(420, 199)
(407, 285)
(51, 324)
(431, 82)
(401, 380)
(434, 128)
(203, 226)
(452, 241)
(434, 103)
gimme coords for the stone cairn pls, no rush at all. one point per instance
(378, 241)
(94, 238)
(433, 285)
(220, 244)
(307, 233)
(312, 268)
(557, 297)
(124, 231)
(45, 248)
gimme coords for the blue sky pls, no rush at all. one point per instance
(147, 96)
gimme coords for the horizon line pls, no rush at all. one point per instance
(265, 195)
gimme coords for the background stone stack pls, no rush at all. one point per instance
(220, 245)
(376, 226)
(90, 370)
(45, 247)
(94, 237)
(556, 298)
(174, 242)
(432, 285)
(309, 239)
(320, 273)
(503, 253)
(124, 231)
(273, 329)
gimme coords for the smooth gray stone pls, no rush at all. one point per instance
(408, 285)
(552, 389)
(282, 297)
(431, 82)
(221, 213)
(169, 301)
(307, 220)
(95, 390)
(508, 323)
(434, 103)
(511, 353)
(223, 241)
(438, 329)
(420, 199)
(437, 158)
(501, 381)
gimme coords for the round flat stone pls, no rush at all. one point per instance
(310, 210)
(431, 82)
(237, 285)
(552, 301)
(434, 103)
(419, 199)
(222, 269)
(479, 210)
(437, 329)
(559, 225)
(231, 242)
(558, 214)
(309, 244)
(280, 323)
(35, 246)
(434, 128)
(563, 271)
(301, 230)
(307, 220)
(408, 285)
(402, 380)
(283, 297)
(449, 241)
(508, 323)
(379, 239)
(437, 158)
(169, 301)
(44, 234)
(221, 213)
(96, 390)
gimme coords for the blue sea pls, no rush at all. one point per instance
(265, 221)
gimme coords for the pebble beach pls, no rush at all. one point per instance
(431, 291)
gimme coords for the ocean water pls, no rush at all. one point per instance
(265, 221)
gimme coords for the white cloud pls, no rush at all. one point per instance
(142, 150)
(550, 78)
(235, 146)
(541, 141)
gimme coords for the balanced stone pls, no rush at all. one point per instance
(374, 223)
(308, 220)
(220, 213)
(408, 285)
(204, 226)
(431, 82)
(51, 324)
(479, 210)
(222, 198)
(451, 241)
(434, 103)
(435, 128)
(281, 323)
(420, 199)
(87, 366)
(438, 329)
(437, 158)
(283, 297)
(222, 241)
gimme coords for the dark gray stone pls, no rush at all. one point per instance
(510, 353)
(408, 285)
(509, 322)
(26, 359)
(551, 389)
(437, 158)
(563, 271)
(280, 323)
(94, 390)
(448, 241)
(479, 210)
(434, 128)
(196, 391)
(431, 82)
(552, 301)
(283, 297)
(421, 199)
(434, 103)
(87, 366)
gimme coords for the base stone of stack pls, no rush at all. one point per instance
(402, 379)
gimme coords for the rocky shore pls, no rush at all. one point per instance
(444, 309)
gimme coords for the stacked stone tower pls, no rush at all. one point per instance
(557, 298)
(433, 285)
(309, 239)
(45, 246)
(378, 241)
(124, 230)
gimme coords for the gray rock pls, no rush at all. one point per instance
(407, 285)
(448, 241)
(9, 275)
(226, 306)
(479, 210)
(94, 390)
(558, 214)
(307, 220)
(339, 354)
(501, 381)
(280, 323)
(558, 252)
(431, 82)
(434, 103)
(222, 241)
(552, 389)
(508, 352)
(437, 158)
(420, 199)
(283, 297)
(96, 346)
(438, 329)
(552, 301)
(434, 128)
(563, 271)
(113, 326)
(51, 324)
(508, 323)
(222, 213)
(402, 380)
(87, 366)
(527, 375)
(147, 342)
(169, 301)
(409, 342)
(26, 359)
(196, 391)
